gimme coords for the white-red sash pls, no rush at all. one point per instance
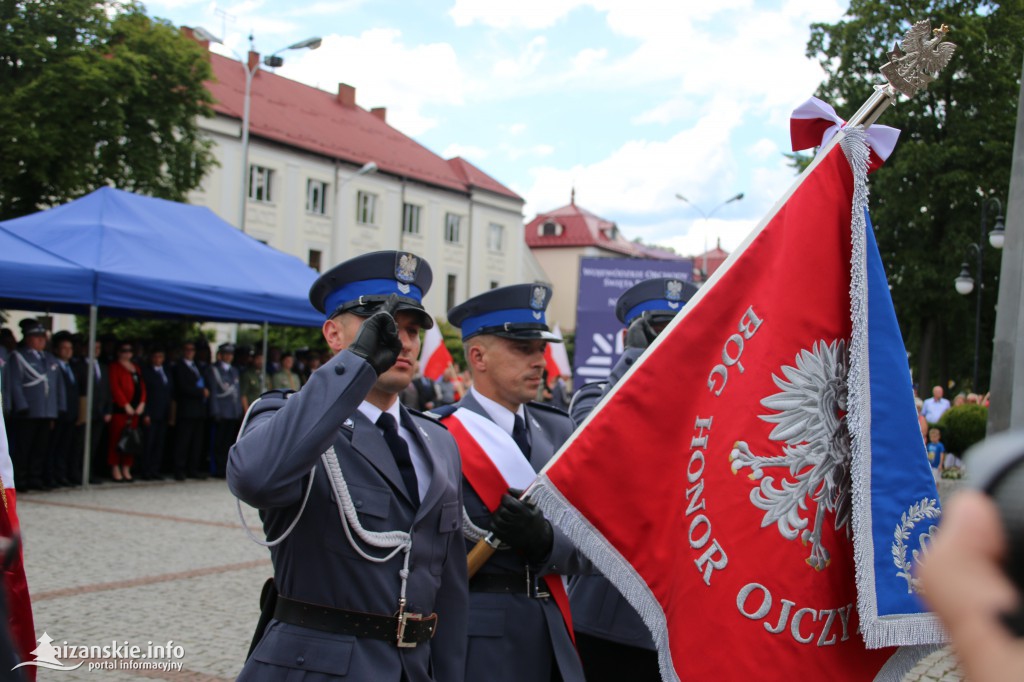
(492, 463)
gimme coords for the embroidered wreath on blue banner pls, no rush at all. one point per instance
(918, 512)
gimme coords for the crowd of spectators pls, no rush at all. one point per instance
(186, 400)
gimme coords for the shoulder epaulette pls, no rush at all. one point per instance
(432, 417)
(439, 412)
(548, 408)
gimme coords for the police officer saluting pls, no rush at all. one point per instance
(372, 577)
(613, 641)
(519, 623)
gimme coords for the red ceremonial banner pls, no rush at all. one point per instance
(707, 469)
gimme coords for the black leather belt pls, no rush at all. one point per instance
(404, 630)
(508, 583)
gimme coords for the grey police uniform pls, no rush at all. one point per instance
(321, 574)
(599, 611)
(225, 407)
(515, 635)
(37, 396)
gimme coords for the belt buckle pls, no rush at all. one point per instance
(533, 588)
(403, 619)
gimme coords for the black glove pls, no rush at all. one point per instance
(523, 527)
(640, 333)
(377, 341)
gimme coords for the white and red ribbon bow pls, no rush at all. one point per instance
(814, 122)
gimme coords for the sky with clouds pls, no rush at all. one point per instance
(629, 101)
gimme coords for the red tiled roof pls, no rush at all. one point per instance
(580, 227)
(298, 115)
(474, 177)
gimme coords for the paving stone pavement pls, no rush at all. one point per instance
(144, 562)
(168, 561)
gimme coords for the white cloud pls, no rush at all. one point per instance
(525, 64)
(516, 129)
(763, 149)
(466, 151)
(529, 14)
(587, 59)
(642, 176)
(385, 72)
(515, 152)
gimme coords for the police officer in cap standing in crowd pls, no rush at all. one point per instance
(37, 395)
(613, 641)
(360, 497)
(225, 405)
(519, 623)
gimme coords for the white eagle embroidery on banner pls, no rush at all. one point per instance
(810, 418)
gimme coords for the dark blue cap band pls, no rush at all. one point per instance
(655, 304)
(369, 287)
(498, 318)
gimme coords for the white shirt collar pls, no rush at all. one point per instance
(372, 412)
(498, 413)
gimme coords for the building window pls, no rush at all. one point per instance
(314, 259)
(549, 228)
(411, 219)
(261, 184)
(495, 237)
(452, 228)
(366, 208)
(316, 197)
(494, 284)
(452, 283)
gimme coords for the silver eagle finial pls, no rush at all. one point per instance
(917, 60)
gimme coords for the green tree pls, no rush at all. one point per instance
(954, 151)
(93, 94)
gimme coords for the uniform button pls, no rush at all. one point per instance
(358, 503)
(339, 369)
(300, 660)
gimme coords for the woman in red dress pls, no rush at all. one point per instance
(128, 393)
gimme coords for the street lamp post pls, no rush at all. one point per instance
(273, 60)
(707, 217)
(964, 283)
(367, 168)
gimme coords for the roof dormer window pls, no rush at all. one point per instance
(549, 228)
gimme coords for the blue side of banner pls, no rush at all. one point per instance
(904, 501)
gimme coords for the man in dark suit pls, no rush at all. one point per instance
(102, 407)
(190, 392)
(393, 610)
(62, 440)
(519, 625)
(159, 394)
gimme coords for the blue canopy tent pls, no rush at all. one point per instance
(32, 276)
(125, 252)
(167, 258)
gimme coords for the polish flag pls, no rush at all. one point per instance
(556, 359)
(19, 606)
(434, 356)
(755, 485)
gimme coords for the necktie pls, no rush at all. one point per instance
(520, 437)
(400, 450)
